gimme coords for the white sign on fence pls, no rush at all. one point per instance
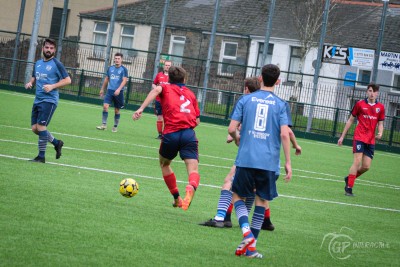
(389, 61)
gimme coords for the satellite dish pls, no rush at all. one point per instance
(314, 63)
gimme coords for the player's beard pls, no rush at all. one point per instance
(48, 54)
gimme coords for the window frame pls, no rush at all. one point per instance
(222, 56)
(125, 50)
(99, 49)
(178, 59)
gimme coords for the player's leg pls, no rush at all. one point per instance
(42, 114)
(118, 105)
(243, 186)
(222, 219)
(366, 159)
(168, 151)
(160, 119)
(358, 149)
(106, 104)
(189, 153)
(267, 224)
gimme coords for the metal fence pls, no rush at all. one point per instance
(85, 65)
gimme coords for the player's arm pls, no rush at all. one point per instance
(380, 130)
(60, 83)
(31, 82)
(293, 140)
(232, 130)
(150, 98)
(104, 86)
(346, 128)
(285, 139)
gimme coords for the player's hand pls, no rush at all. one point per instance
(48, 87)
(116, 93)
(137, 114)
(288, 170)
(229, 139)
(298, 150)
(101, 94)
(340, 141)
(237, 140)
(28, 85)
(379, 136)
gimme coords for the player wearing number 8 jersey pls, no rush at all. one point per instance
(181, 115)
(264, 123)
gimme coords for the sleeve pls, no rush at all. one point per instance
(289, 114)
(196, 106)
(155, 81)
(33, 71)
(283, 116)
(125, 72)
(61, 69)
(382, 113)
(237, 113)
(354, 111)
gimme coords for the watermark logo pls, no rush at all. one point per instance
(341, 245)
(338, 244)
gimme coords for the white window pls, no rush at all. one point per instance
(396, 83)
(127, 37)
(294, 64)
(176, 47)
(99, 39)
(228, 56)
(259, 62)
(364, 77)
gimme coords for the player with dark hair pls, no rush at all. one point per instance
(369, 113)
(49, 74)
(115, 81)
(161, 78)
(181, 115)
(223, 216)
(264, 121)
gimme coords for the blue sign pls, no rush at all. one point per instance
(350, 76)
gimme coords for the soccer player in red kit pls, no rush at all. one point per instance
(181, 116)
(161, 78)
(369, 113)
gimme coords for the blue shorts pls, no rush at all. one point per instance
(248, 179)
(42, 113)
(118, 100)
(366, 149)
(157, 108)
(183, 141)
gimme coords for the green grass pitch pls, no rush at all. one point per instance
(69, 212)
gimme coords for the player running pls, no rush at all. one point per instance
(181, 116)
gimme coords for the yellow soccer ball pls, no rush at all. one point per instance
(128, 187)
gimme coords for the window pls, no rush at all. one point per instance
(294, 64)
(364, 77)
(259, 62)
(127, 36)
(176, 48)
(228, 56)
(56, 19)
(396, 83)
(99, 39)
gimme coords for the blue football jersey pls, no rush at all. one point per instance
(261, 115)
(115, 76)
(48, 72)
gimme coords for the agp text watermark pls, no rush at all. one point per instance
(341, 245)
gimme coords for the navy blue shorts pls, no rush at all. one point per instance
(248, 179)
(157, 108)
(117, 100)
(183, 141)
(366, 149)
(42, 113)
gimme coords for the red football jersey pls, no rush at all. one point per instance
(160, 78)
(367, 116)
(179, 106)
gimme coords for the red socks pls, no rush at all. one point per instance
(267, 213)
(350, 181)
(170, 181)
(194, 179)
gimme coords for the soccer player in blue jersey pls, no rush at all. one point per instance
(264, 121)
(49, 74)
(115, 81)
